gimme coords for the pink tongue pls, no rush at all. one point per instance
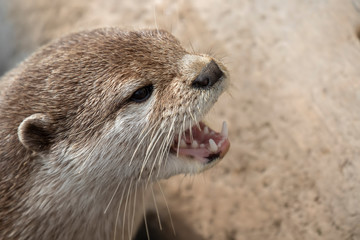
(202, 149)
(198, 153)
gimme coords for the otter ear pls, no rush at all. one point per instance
(35, 132)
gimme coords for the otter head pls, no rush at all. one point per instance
(120, 105)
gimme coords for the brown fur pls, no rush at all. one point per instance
(67, 94)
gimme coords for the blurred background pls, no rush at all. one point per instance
(293, 108)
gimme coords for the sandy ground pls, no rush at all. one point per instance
(293, 108)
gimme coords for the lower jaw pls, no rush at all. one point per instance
(212, 158)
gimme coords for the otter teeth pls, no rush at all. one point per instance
(194, 144)
(182, 143)
(206, 130)
(213, 146)
(202, 143)
(224, 130)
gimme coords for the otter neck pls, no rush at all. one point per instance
(90, 212)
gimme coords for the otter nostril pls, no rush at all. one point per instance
(208, 76)
(201, 82)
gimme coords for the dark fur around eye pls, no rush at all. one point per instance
(142, 94)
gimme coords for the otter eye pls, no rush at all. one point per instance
(142, 94)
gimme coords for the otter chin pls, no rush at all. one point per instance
(89, 121)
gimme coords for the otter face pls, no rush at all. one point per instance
(125, 104)
(180, 107)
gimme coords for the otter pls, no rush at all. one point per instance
(92, 119)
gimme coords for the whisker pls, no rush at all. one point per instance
(143, 203)
(190, 130)
(125, 210)
(167, 206)
(195, 120)
(162, 146)
(162, 150)
(128, 215)
(184, 125)
(192, 47)
(150, 149)
(164, 154)
(171, 138)
(168, 138)
(138, 146)
(133, 215)
(157, 159)
(154, 139)
(157, 210)
(112, 197)
(179, 139)
(118, 212)
(156, 25)
(156, 124)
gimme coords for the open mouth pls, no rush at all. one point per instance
(202, 143)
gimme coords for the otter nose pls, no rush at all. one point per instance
(210, 74)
